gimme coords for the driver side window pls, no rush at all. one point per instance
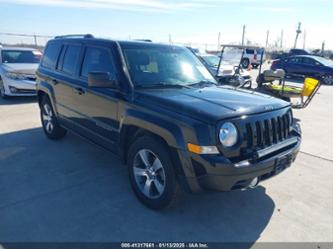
(97, 59)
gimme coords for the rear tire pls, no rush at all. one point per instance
(151, 173)
(328, 80)
(50, 124)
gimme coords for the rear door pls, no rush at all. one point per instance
(97, 107)
(294, 66)
(64, 82)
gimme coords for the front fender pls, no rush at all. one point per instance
(168, 130)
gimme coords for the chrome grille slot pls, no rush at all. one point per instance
(267, 132)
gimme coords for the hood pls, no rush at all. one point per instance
(210, 104)
(23, 68)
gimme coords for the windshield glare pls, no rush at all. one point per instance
(211, 60)
(19, 56)
(165, 65)
(324, 61)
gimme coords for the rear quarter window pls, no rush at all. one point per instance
(51, 55)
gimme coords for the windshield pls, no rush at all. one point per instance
(211, 60)
(20, 56)
(324, 61)
(164, 65)
(232, 55)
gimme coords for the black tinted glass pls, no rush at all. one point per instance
(19, 56)
(51, 55)
(96, 60)
(71, 59)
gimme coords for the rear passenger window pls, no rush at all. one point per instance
(97, 59)
(71, 59)
(50, 56)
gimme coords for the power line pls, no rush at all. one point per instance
(27, 35)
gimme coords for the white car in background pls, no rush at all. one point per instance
(18, 71)
(252, 56)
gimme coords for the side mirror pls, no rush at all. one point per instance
(102, 80)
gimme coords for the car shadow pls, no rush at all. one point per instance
(73, 191)
(18, 100)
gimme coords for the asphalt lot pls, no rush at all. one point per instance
(71, 190)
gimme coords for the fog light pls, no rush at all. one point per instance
(12, 89)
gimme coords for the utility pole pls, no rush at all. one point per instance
(323, 48)
(218, 41)
(304, 39)
(298, 31)
(281, 42)
(267, 37)
(170, 40)
(243, 35)
(35, 40)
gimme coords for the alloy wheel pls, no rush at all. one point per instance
(328, 80)
(149, 174)
(47, 118)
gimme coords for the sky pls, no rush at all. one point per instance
(192, 22)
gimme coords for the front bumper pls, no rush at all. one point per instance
(216, 172)
(19, 87)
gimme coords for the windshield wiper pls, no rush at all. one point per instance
(203, 83)
(162, 85)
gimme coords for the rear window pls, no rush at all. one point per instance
(51, 55)
(250, 51)
(71, 59)
(20, 56)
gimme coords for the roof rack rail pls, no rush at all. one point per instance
(143, 40)
(75, 36)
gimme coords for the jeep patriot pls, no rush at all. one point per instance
(163, 113)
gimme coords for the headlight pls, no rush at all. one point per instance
(15, 76)
(228, 134)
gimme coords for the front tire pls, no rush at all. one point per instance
(151, 173)
(50, 124)
(2, 90)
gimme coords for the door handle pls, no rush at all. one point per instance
(79, 91)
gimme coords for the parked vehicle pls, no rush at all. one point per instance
(17, 71)
(226, 72)
(251, 56)
(162, 112)
(306, 65)
(296, 51)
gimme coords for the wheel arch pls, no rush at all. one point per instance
(138, 124)
(45, 89)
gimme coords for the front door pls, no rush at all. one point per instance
(97, 107)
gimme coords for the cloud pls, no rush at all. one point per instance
(131, 5)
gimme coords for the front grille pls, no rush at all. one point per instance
(31, 78)
(266, 132)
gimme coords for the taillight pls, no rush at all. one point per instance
(274, 64)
